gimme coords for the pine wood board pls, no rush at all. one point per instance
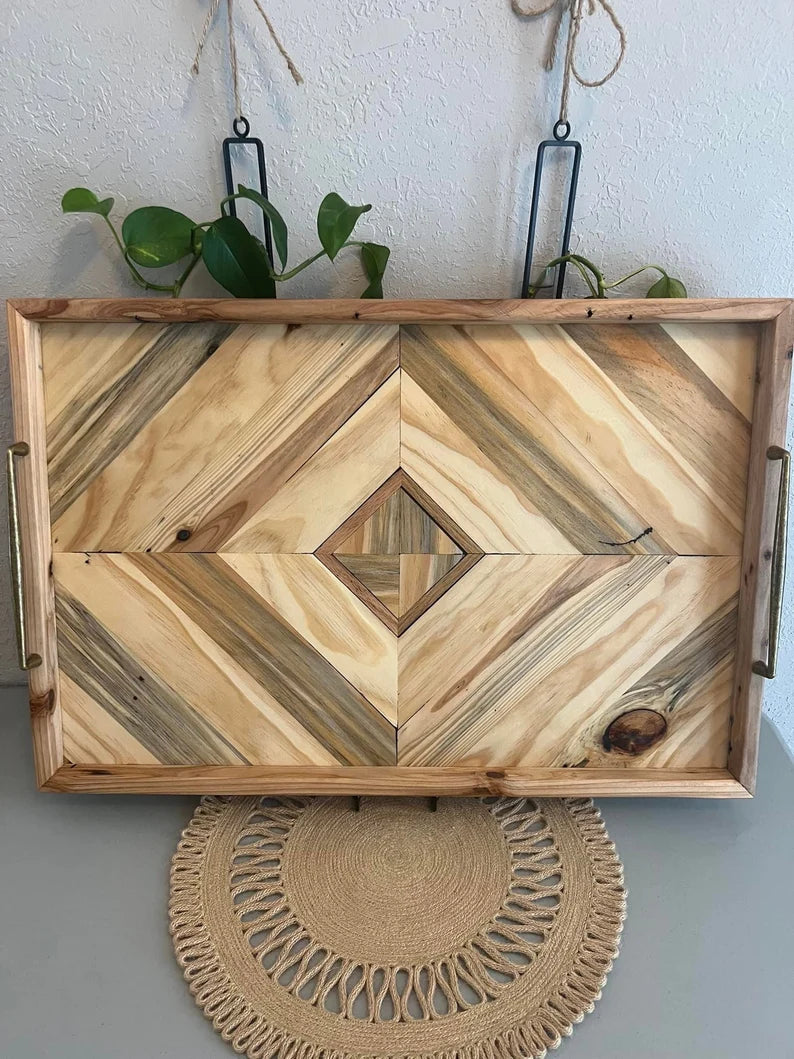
(543, 683)
(133, 464)
(384, 780)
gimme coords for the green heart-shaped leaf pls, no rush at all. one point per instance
(374, 259)
(277, 225)
(155, 236)
(667, 287)
(335, 221)
(81, 200)
(237, 260)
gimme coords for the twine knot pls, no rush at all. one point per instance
(576, 12)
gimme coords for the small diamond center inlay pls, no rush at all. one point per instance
(399, 552)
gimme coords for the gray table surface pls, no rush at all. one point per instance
(86, 970)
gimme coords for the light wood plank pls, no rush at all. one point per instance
(535, 455)
(332, 484)
(203, 464)
(474, 619)
(330, 618)
(27, 390)
(419, 573)
(126, 687)
(702, 430)
(561, 665)
(693, 513)
(149, 626)
(264, 643)
(726, 352)
(111, 411)
(473, 490)
(91, 734)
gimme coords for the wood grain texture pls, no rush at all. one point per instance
(454, 782)
(125, 687)
(197, 663)
(770, 412)
(528, 687)
(419, 574)
(330, 618)
(148, 625)
(114, 404)
(27, 390)
(379, 574)
(341, 310)
(331, 484)
(568, 485)
(205, 466)
(90, 734)
(399, 552)
(576, 433)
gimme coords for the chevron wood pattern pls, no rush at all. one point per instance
(223, 419)
(599, 439)
(532, 664)
(439, 546)
(195, 660)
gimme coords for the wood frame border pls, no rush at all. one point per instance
(770, 412)
(773, 373)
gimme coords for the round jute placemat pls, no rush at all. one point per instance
(483, 930)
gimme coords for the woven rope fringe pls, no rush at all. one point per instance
(249, 1033)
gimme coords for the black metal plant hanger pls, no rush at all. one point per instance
(562, 127)
(561, 132)
(241, 126)
(241, 129)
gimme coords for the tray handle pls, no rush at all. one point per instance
(778, 575)
(26, 659)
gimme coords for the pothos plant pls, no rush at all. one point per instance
(155, 237)
(664, 287)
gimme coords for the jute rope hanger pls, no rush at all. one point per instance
(576, 9)
(214, 5)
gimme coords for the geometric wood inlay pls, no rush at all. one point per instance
(399, 552)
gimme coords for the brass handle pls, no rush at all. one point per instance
(778, 576)
(26, 661)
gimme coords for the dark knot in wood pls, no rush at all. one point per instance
(635, 732)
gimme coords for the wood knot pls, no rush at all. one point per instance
(635, 732)
(43, 704)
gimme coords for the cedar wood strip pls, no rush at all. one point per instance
(334, 310)
(387, 780)
(359, 589)
(27, 388)
(770, 412)
(379, 574)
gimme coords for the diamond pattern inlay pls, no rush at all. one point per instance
(399, 552)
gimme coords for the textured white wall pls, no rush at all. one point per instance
(429, 109)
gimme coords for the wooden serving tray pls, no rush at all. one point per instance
(427, 547)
